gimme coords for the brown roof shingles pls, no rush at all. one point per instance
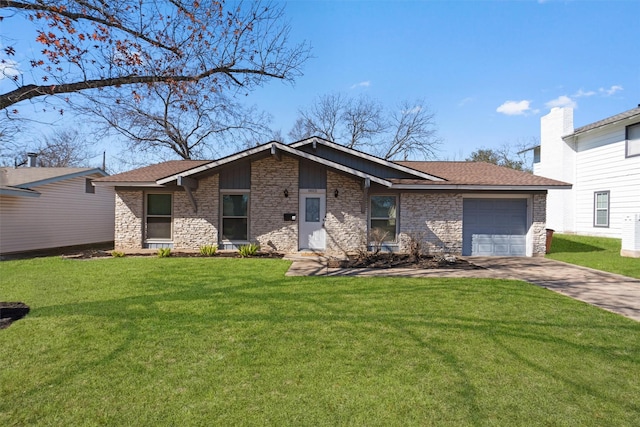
(454, 173)
(475, 173)
(155, 172)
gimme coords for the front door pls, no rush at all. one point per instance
(312, 212)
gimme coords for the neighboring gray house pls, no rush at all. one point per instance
(602, 161)
(45, 208)
(320, 196)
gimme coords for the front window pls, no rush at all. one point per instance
(158, 219)
(601, 209)
(633, 140)
(235, 217)
(383, 218)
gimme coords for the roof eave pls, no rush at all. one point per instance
(153, 184)
(18, 192)
(579, 132)
(62, 178)
(468, 187)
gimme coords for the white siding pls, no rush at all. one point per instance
(601, 166)
(557, 160)
(63, 215)
(593, 161)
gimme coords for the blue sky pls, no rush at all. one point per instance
(489, 69)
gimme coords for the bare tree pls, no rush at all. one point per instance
(93, 44)
(414, 132)
(362, 123)
(185, 123)
(63, 148)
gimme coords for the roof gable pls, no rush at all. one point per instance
(360, 160)
(273, 148)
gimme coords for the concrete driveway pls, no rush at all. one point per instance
(613, 292)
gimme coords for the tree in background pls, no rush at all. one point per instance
(515, 156)
(62, 149)
(161, 123)
(131, 46)
(406, 131)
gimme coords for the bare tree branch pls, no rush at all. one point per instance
(96, 44)
(362, 123)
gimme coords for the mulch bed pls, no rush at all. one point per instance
(12, 311)
(96, 254)
(391, 260)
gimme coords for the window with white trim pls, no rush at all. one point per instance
(633, 140)
(383, 221)
(601, 209)
(158, 217)
(235, 217)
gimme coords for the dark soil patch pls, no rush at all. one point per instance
(391, 260)
(96, 254)
(12, 311)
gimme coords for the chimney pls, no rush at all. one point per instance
(32, 159)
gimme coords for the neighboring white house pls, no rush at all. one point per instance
(44, 208)
(602, 161)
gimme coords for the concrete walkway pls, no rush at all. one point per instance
(613, 292)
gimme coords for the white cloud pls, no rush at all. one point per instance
(608, 92)
(562, 101)
(465, 101)
(583, 93)
(9, 68)
(361, 84)
(515, 108)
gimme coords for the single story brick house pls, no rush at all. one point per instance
(320, 196)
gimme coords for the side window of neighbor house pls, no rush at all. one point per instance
(383, 218)
(633, 140)
(88, 186)
(601, 209)
(158, 218)
(235, 217)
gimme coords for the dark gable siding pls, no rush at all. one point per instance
(236, 176)
(354, 162)
(312, 175)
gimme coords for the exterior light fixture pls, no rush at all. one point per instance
(335, 193)
(286, 193)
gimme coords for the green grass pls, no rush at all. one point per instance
(600, 253)
(215, 341)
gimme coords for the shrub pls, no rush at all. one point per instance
(208, 250)
(164, 252)
(117, 254)
(248, 250)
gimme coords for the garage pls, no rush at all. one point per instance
(494, 227)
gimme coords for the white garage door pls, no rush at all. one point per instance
(494, 227)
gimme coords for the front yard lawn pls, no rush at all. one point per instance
(211, 341)
(600, 253)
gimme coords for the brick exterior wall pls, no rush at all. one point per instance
(192, 230)
(345, 224)
(269, 178)
(433, 219)
(538, 225)
(129, 216)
